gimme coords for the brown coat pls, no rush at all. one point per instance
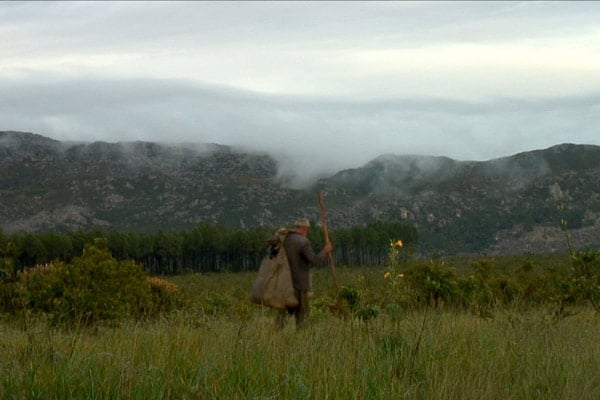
(300, 257)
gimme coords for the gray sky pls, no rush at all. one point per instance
(322, 85)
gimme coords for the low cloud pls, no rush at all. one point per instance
(309, 136)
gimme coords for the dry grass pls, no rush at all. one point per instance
(433, 355)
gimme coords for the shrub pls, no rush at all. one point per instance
(94, 287)
(367, 313)
(10, 299)
(42, 288)
(506, 291)
(6, 268)
(586, 276)
(531, 283)
(350, 296)
(434, 283)
(164, 295)
(470, 290)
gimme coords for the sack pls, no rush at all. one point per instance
(273, 286)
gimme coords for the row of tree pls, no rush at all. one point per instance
(205, 248)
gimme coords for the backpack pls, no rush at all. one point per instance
(273, 285)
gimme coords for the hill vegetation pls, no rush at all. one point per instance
(522, 203)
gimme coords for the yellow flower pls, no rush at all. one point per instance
(387, 275)
(400, 275)
(399, 243)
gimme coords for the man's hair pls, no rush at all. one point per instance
(302, 223)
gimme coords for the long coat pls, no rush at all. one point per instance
(300, 257)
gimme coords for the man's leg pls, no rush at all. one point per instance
(282, 314)
(280, 319)
(303, 311)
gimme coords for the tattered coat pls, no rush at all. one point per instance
(300, 257)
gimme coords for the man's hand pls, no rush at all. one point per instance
(328, 247)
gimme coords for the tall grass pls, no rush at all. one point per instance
(222, 347)
(423, 355)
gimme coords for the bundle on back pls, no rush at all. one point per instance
(273, 285)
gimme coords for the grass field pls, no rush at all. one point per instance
(222, 347)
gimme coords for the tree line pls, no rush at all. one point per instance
(205, 248)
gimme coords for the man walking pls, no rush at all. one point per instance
(300, 257)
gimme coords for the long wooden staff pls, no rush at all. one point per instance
(326, 234)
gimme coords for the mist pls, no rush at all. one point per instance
(320, 86)
(308, 136)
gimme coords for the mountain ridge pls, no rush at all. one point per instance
(495, 206)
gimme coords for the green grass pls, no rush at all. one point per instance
(222, 347)
(431, 354)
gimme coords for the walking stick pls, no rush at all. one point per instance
(326, 234)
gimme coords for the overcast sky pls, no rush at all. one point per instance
(322, 85)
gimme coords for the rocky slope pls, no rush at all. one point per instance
(507, 205)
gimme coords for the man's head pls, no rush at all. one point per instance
(302, 225)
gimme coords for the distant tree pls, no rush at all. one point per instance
(204, 248)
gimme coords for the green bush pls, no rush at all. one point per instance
(586, 276)
(43, 288)
(471, 292)
(434, 283)
(6, 268)
(10, 299)
(531, 284)
(506, 290)
(164, 295)
(94, 287)
(350, 296)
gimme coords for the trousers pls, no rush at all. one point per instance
(301, 312)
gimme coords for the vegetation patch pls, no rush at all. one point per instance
(94, 287)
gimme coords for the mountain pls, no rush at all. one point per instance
(505, 205)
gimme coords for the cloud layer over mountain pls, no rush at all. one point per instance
(322, 86)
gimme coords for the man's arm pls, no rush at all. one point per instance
(309, 255)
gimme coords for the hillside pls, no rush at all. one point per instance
(505, 205)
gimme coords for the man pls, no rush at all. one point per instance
(300, 257)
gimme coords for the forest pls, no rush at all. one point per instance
(205, 248)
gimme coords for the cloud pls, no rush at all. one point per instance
(369, 49)
(321, 85)
(310, 136)
(118, 24)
